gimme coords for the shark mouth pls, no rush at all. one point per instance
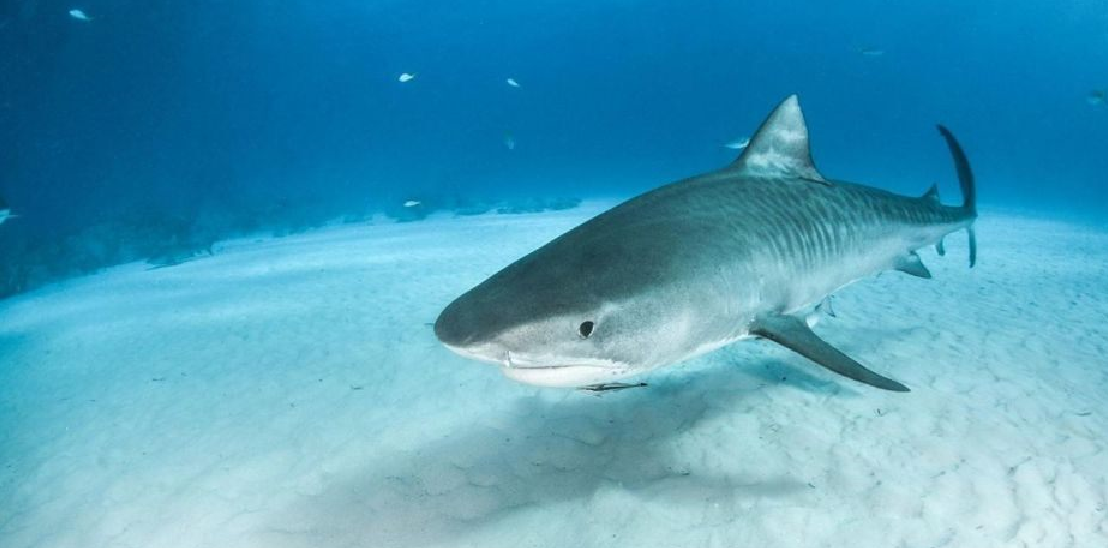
(562, 376)
(544, 373)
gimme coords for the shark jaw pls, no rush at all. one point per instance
(564, 376)
(548, 373)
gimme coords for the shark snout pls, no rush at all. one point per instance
(458, 329)
(450, 329)
(461, 330)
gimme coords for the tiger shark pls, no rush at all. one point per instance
(747, 251)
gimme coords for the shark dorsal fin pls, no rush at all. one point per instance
(780, 147)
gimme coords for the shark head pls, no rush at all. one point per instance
(563, 316)
(545, 348)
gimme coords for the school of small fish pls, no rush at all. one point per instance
(1097, 97)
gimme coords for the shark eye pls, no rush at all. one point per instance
(586, 329)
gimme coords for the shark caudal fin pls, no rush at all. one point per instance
(969, 188)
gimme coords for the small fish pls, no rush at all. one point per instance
(509, 141)
(871, 52)
(610, 386)
(79, 15)
(738, 144)
(412, 203)
(1097, 97)
(406, 77)
(512, 82)
(5, 212)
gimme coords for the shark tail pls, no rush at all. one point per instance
(969, 188)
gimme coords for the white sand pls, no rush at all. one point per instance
(289, 393)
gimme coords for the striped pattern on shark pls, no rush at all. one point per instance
(742, 252)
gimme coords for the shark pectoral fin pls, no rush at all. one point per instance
(912, 264)
(794, 334)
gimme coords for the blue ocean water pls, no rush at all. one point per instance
(290, 392)
(254, 112)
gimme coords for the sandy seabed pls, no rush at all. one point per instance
(290, 393)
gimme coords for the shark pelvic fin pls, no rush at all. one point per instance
(779, 149)
(940, 248)
(913, 265)
(794, 334)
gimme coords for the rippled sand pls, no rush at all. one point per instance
(290, 393)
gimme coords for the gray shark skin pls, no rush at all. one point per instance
(742, 252)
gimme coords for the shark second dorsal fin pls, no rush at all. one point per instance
(780, 147)
(932, 194)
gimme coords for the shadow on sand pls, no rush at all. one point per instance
(640, 443)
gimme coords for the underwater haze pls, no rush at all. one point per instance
(169, 109)
(227, 229)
